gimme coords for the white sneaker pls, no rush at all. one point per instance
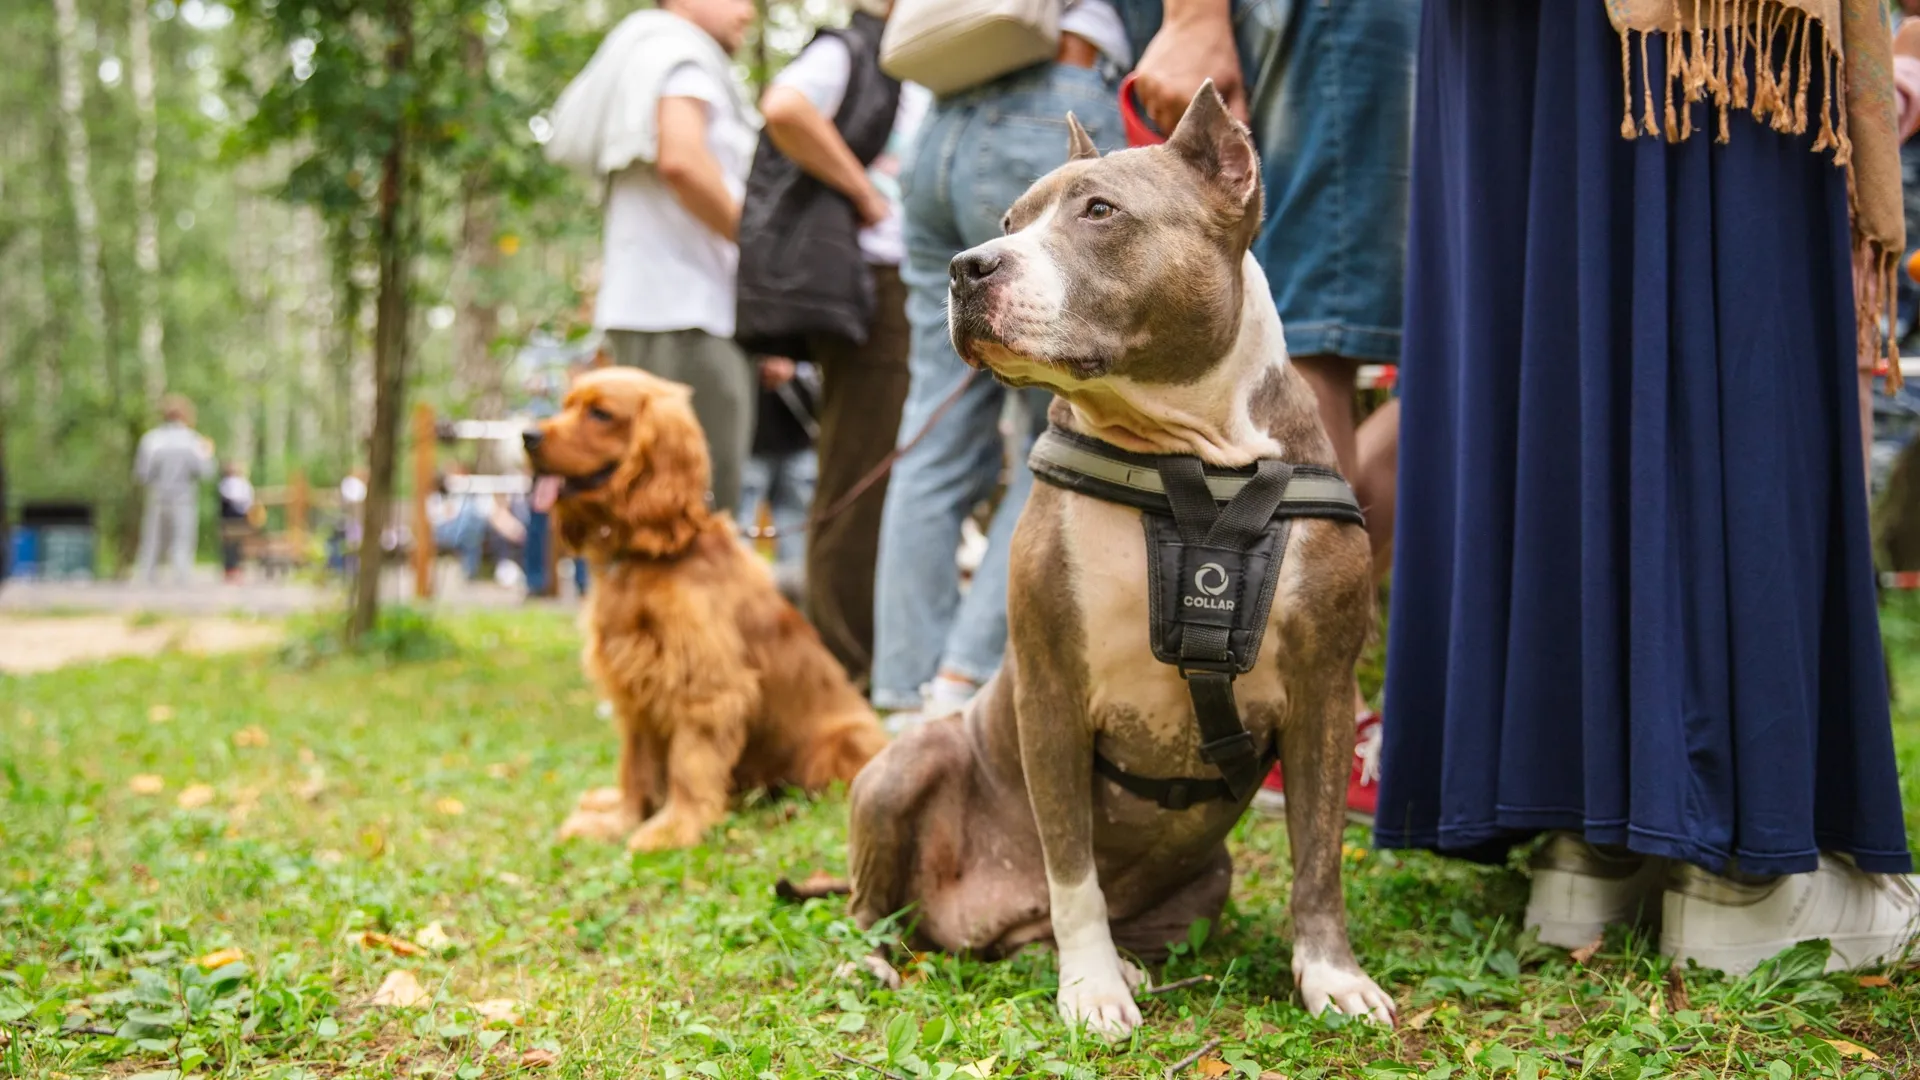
(1732, 926)
(941, 698)
(1578, 890)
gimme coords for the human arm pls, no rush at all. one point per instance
(809, 139)
(690, 170)
(1194, 44)
(1906, 77)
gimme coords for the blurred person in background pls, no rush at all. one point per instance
(1327, 90)
(236, 505)
(976, 152)
(171, 463)
(821, 247)
(659, 116)
(780, 473)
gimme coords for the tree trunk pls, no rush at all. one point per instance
(146, 165)
(478, 373)
(389, 338)
(86, 217)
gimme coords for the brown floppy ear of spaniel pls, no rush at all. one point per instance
(660, 490)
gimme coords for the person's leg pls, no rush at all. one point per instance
(862, 390)
(183, 536)
(1002, 152)
(143, 561)
(722, 381)
(792, 499)
(949, 464)
(756, 480)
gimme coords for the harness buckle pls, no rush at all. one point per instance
(1178, 795)
(1191, 667)
(1233, 746)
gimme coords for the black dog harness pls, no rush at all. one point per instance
(1215, 538)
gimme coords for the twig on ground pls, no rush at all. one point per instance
(889, 1074)
(1571, 1061)
(811, 889)
(86, 1031)
(1177, 1067)
(1177, 984)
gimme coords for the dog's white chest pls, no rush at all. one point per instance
(1107, 547)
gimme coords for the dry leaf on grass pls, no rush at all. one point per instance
(312, 787)
(1585, 953)
(159, 714)
(982, 1068)
(498, 1011)
(400, 990)
(374, 940)
(451, 807)
(1852, 1051)
(1419, 1020)
(146, 784)
(1871, 981)
(251, 735)
(194, 797)
(537, 1058)
(1212, 1066)
(433, 937)
(221, 958)
(1271, 1075)
(500, 770)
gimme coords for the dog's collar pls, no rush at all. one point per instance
(1076, 462)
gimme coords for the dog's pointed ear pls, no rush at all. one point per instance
(1079, 144)
(1210, 140)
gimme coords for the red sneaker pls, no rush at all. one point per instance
(1363, 784)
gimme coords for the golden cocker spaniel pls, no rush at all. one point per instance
(718, 684)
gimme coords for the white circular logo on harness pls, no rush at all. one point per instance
(1211, 579)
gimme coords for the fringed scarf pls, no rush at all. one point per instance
(1712, 44)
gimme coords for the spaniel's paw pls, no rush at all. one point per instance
(604, 800)
(665, 832)
(595, 825)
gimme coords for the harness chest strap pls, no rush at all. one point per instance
(1215, 539)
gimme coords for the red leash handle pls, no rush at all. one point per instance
(1140, 130)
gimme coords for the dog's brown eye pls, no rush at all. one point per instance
(1006, 224)
(1098, 210)
(600, 414)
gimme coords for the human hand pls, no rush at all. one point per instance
(1189, 50)
(872, 207)
(775, 371)
(1906, 42)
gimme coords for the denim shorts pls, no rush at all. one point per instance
(1330, 92)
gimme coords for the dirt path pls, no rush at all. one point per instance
(29, 644)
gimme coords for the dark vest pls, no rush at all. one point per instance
(801, 271)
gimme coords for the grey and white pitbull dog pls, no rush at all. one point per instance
(1125, 285)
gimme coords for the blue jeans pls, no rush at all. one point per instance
(465, 534)
(976, 152)
(1330, 95)
(785, 483)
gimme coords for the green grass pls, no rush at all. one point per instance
(351, 795)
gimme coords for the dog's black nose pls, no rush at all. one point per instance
(973, 267)
(531, 438)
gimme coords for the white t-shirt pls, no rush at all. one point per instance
(661, 269)
(821, 73)
(1099, 22)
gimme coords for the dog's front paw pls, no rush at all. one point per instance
(1344, 989)
(665, 832)
(603, 800)
(1095, 994)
